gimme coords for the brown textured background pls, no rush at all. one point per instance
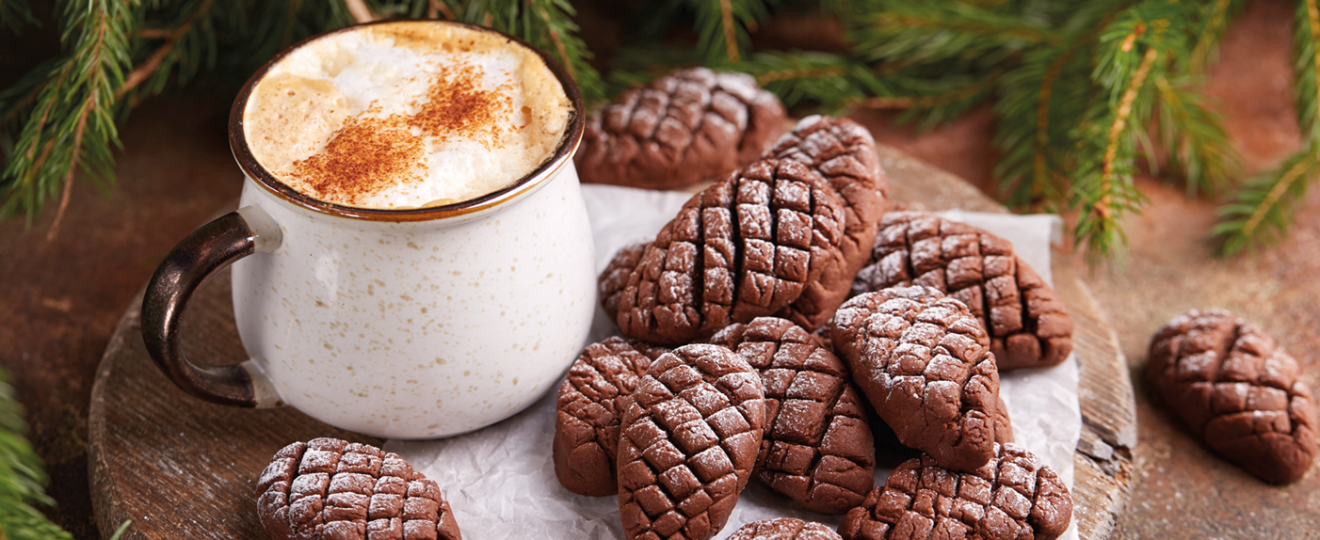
(64, 297)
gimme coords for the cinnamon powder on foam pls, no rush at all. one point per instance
(369, 154)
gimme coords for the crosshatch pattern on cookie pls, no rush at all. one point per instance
(684, 127)
(743, 248)
(1238, 391)
(588, 410)
(1027, 323)
(614, 279)
(921, 360)
(330, 489)
(1012, 496)
(688, 444)
(818, 448)
(843, 152)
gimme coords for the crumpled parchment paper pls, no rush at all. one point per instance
(501, 481)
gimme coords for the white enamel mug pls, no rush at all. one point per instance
(408, 324)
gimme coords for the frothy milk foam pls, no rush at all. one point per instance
(405, 115)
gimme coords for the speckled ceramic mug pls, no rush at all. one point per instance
(412, 324)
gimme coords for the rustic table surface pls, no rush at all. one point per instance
(65, 296)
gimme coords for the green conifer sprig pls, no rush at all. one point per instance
(1036, 145)
(22, 478)
(70, 121)
(15, 14)
(722, 26)
(1212, 17)
(1262, 208)
(1128, 59)
(1199, 148)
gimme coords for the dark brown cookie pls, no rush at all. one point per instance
(818, 448)
(743, 248)
(689, 441)
(329, 489)
(1028, 325)
(589, 407)
(1238, 391)
(614, 278)
(843, 152)
(684, 127)
(784, 529)
(1011, 497)
(1003, 424)
(921, 360)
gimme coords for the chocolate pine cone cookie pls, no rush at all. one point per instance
(1237, 391)
(682, 128)
(922, 361)
(1027, 323)
(689, 441)
(589, 408)
(818, 449)
(784, 529)
(1011, 497)
(843, 152)
(743, 248)
(614, 279)
(329, 489)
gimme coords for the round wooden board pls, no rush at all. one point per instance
(179, 467)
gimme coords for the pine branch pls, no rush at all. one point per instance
(1306, 44)
(916, 33)
(14, 14)
(1035, 103)
(166, 54)
(1140, 43)
(1264, 206)
(1113, 194)
(722, 27)
(1039, 105)
(1199, 147)
(21, 477)
(829, 80)
(75, 105)
(1215, 15)
(730, 31)
(836, 82)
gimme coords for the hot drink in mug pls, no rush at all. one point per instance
(411, 256)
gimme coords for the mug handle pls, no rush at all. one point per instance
(190, 264)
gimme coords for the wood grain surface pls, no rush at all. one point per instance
(182, 468)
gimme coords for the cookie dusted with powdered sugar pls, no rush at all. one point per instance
(588, 411)
(330, 489)
(818, 448)
(1027, 324)
(843, 152)
(688, 443)
(687, 126)
(1013, 496)
(743, 248)
(923, 362)
(1238, 391)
